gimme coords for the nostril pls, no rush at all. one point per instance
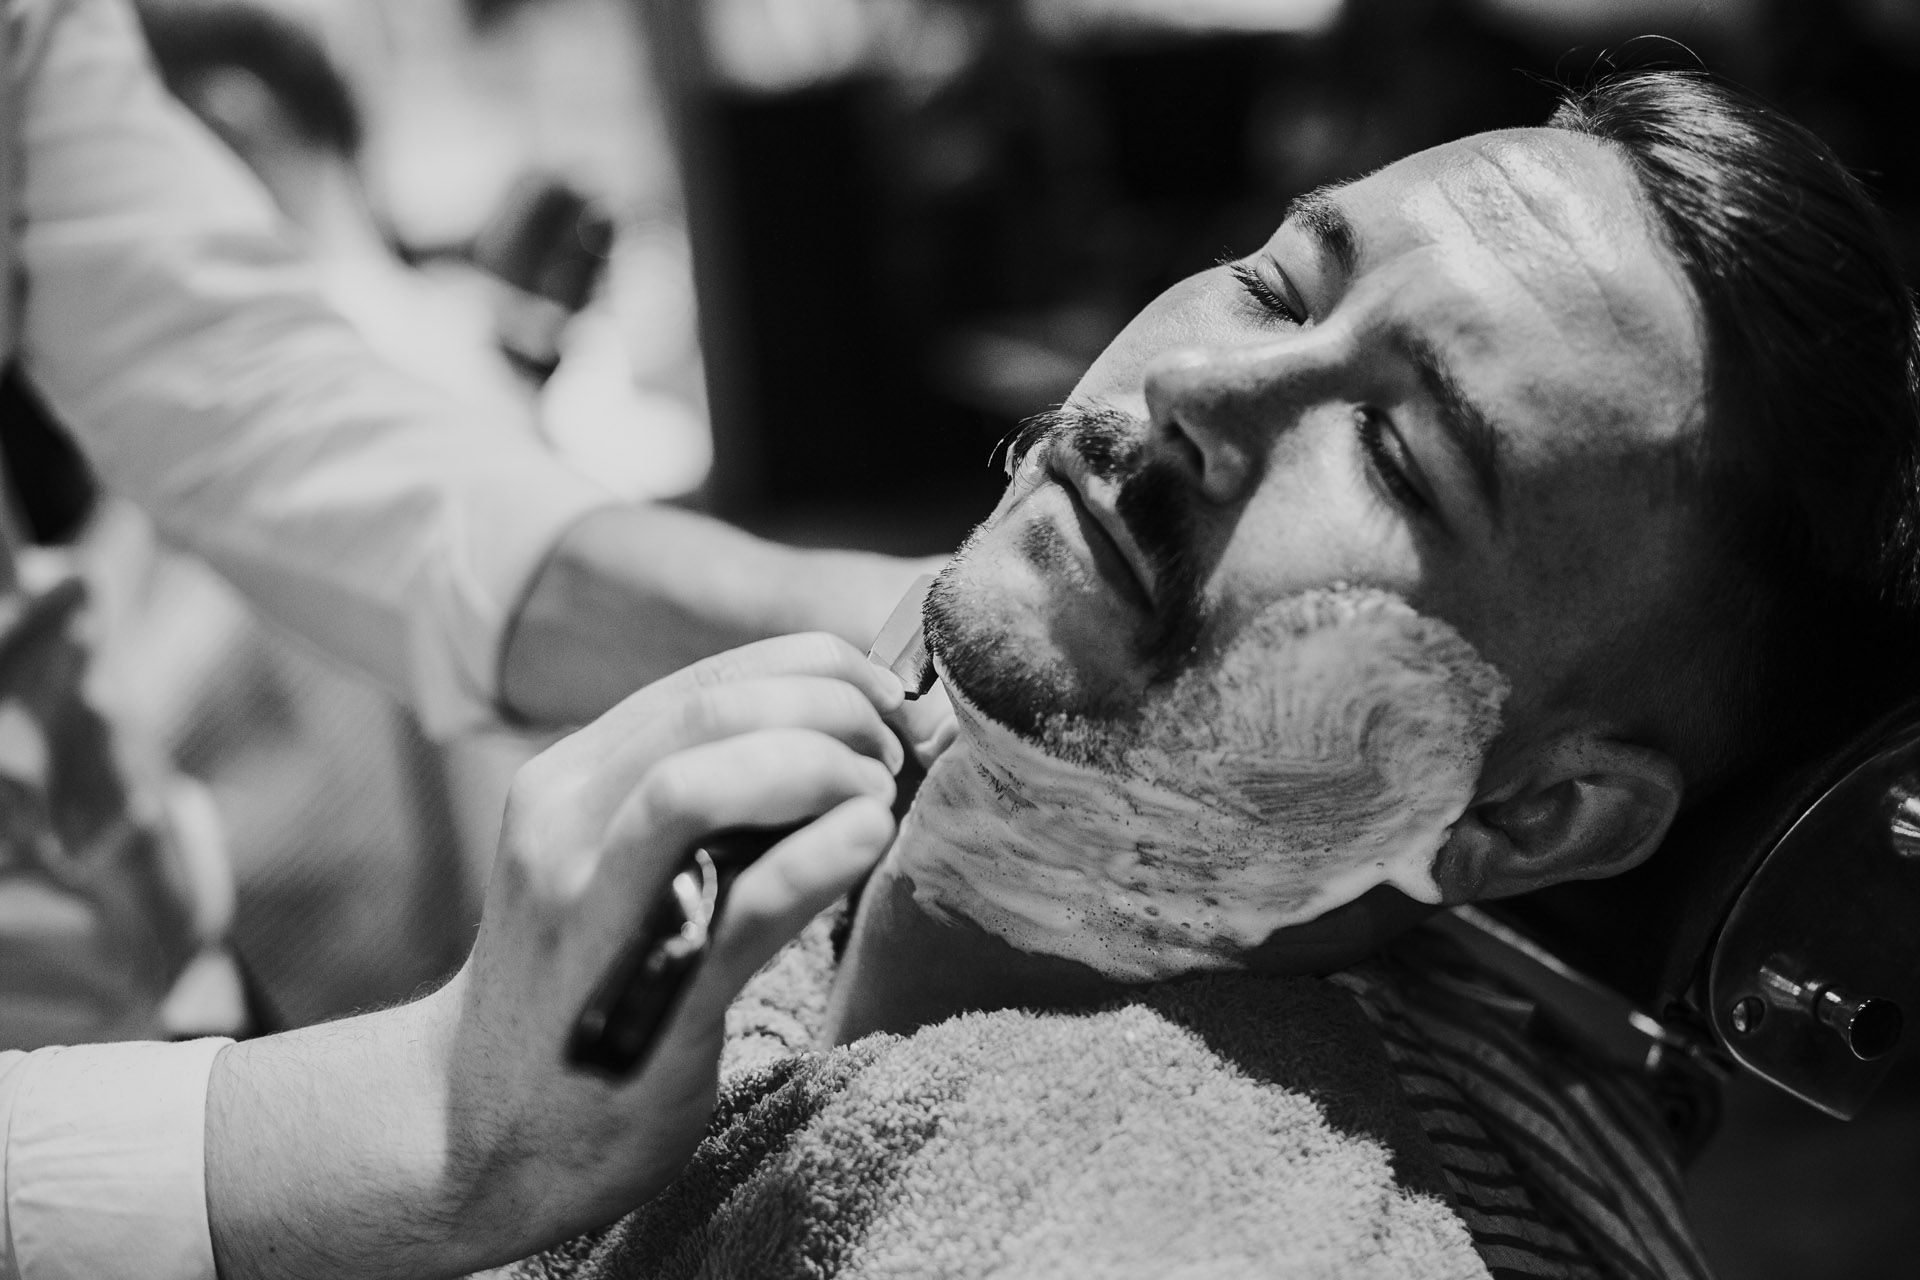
(1196, 402)
(1187, 452)
(1224, 474)
(1215, 465)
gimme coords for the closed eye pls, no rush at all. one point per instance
(1387, 458)
(1271, 300)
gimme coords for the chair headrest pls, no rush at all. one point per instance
(1782, 919)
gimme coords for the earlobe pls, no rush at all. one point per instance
(1582, 809)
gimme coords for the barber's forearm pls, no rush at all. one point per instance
(328, 1154)
(634, 593)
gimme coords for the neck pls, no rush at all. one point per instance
(919, 953)
(905, 969)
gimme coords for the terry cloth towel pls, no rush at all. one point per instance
(1222, 1127)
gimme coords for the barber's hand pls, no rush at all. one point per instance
(449, 1135)
(775, 733)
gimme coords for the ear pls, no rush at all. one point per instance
(1582, 808)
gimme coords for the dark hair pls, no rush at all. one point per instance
(190, 38)
(1805, 462)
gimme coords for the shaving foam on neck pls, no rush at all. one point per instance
(1327, 751)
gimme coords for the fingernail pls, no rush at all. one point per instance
(893, 754)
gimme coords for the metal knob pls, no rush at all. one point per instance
(1903, 799)
(1871, 1028)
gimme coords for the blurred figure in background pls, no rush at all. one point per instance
(163, 320)
(360, 847)
(287, 83)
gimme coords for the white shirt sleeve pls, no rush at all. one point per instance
(103, 1162)
(169, 324)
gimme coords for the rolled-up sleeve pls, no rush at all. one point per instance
(167, 321)
(103, 1162)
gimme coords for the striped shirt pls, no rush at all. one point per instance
(1560, 1166)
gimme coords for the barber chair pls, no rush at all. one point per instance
(1776, 932)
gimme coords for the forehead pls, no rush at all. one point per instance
(1527, 257)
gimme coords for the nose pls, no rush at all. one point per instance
(1216, 413)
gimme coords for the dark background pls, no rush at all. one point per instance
(894, 272)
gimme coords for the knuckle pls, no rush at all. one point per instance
(700, 714)
(526, 813)
(762, 657)
(870, 822)
(518, 859)
(541, 874)
(671, 789)
(848, 704)
(529, 783)
(558, 879)
(719, 669)
(819, 652)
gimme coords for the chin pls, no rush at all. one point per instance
(1024, 634)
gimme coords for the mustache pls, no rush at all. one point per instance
(1110, 440)
(1155, 503)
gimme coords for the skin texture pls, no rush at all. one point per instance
(1523, 263)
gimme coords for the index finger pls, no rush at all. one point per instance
(812, 653)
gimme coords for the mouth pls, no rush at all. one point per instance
(1116, 555)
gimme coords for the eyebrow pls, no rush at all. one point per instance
(1463, 422)
(1316, 214)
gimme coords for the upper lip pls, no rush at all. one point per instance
(1070, 469)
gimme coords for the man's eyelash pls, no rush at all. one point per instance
(1270, 299)
(1372, 429)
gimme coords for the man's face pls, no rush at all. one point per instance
(1458, 380)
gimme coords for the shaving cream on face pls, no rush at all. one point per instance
(1327, 751)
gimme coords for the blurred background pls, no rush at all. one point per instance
(804, 263)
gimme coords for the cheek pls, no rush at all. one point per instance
(1005, 560)
(1314, 522)
(1580, 581)
(997, 571)
(1193, 313)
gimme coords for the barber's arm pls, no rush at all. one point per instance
(632, 593)
(448, 1135)
(168, 322)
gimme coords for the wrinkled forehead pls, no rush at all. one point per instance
(1529, 256)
